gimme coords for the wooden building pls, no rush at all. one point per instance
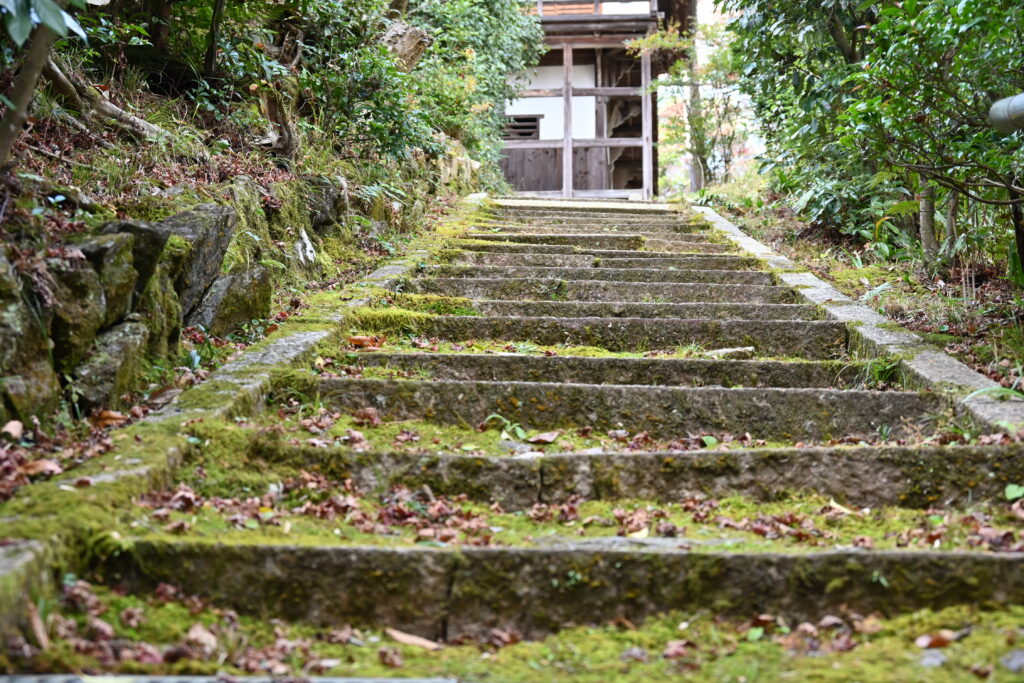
(586, 126)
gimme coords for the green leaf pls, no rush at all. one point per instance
(74, 26)
(51, 15)
(19, 23)
(1013, 492)
(709, 441)
(755, 634)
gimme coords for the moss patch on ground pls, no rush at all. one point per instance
(174, 634)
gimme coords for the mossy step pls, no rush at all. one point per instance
(620, 309)
(721, 262)
(511, 248)
(652, 274)
(679, 246)
(810, 339)
(790, 415)
(858, 476)
(446, 594)
(667, 216)
(591, 241)
(496, 243)
(599, 290)
(682, 231)
(639, 371)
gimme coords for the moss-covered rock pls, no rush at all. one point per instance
(208, 229)
(234, 299)
(79, 310)
(112, 257)
(148, 242)
(112, 368)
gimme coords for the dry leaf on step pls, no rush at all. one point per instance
(410, 639)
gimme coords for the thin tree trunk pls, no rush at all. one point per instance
(693, 110)
(160, 23)
(926, 223)
(1017, 213)
(952, 209)
(21, 95)
(210, 62)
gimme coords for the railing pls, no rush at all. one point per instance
(594, 7)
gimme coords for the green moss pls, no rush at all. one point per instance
(720, 649)
(387, 320)
(434, 304)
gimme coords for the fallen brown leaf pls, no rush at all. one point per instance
(38, 628)
(545, 438)
(107, 418)
(933, 640)
(410, 639)
(390, 657)
(13, 430)
(43, 466)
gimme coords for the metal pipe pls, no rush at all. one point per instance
(1007, 114)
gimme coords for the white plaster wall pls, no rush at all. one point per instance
(640, 7)
(584, 117)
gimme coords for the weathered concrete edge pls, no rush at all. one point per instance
(446, 593)
(921, 363)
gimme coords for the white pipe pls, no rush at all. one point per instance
(1007, 115)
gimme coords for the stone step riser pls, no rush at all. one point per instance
(692, 311)
(445, 595)
(858, 477)
(786, 415)
(588, 228)
(599, 216)
(814, 340)
(673, 250)
(680, 372)
(734, 277)
(481, 258)
(545, 249)
(595, 241)
(597, 290)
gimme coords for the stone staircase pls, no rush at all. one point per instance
(636, 323)
(564, 414)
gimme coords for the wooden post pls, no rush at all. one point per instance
(567, 120)
(648, 125)
(603, 155)
(540, 8)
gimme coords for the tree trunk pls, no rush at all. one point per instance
(159, 23)
(926, 223)
(213, 40)
(24, 87)
(952, 209)
(693, 111)
(1017, 214)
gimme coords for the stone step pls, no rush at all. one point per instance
(637, 371)
(735, 277)
(810, 339)
(620, 309)
(469, 246)
(583, 260)
(446, 594)
(599, 290)
(858, 476)
(593, 241)
(623, 248)
(597, 216)
(585, 228)
(786, 415)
